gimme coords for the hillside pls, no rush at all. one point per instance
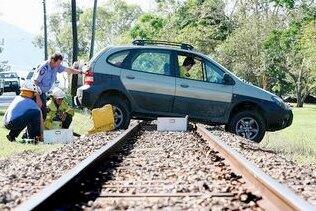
(18, 48)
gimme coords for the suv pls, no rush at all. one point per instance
(142, 81)
(11, 82)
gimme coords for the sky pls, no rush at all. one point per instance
(28, 14)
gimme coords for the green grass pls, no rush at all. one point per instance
(81, 123)
(297, 142)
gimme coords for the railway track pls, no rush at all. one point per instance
(147, 169)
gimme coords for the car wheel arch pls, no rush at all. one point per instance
(247, 105)
(114, 93)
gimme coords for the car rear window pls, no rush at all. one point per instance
(152, 62)
(117, 59)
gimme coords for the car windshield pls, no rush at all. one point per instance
(8, 75)
(224, 68)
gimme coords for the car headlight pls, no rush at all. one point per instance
(278, 101)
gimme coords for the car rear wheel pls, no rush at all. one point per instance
(248, 124)
(122, 114)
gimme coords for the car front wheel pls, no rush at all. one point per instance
(248, 124)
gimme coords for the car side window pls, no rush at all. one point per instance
(152, 62)
(118, 58)
(213, 73)
(194, 72)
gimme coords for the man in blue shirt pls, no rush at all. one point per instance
(46, 75)
(24, 112)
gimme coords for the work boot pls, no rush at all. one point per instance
(29, 141)
(39, 139)
(11, 139)
(35, 140)
(76, 134)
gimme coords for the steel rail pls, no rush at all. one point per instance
(41, 199)
(279, 196)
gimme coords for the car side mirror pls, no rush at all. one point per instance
(228, 80)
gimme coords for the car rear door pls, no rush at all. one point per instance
(148, 77)
(202, 96)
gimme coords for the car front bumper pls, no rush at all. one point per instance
(280, 120)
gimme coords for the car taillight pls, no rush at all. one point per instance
(88, 78)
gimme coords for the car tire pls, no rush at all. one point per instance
(1, 92)
(17, 92)
(121, 110)
(248, 124)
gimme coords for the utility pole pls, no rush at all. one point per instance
(74, 78)
(93, 28)
(45, 31)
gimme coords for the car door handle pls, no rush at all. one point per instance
(184, 86)
(130, 77)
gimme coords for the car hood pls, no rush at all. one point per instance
(250, 90)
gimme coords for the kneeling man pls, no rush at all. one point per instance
(24, 112)
(59, 113)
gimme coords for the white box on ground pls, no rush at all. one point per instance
(172, 123)
(59, 136)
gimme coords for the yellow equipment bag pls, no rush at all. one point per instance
(103, 119)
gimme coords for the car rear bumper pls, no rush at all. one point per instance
(84, 97)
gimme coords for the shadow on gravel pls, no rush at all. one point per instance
(247, 147)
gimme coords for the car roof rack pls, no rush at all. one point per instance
(158, 42)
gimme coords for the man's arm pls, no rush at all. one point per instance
(70, 70)
(38, 100)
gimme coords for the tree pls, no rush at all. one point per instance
(200, 23)
(242, 51)
(93, 28)
(45, 31)
(74, 78)
(60, 36)
(292, 51)
(113, 22)
(148, 26)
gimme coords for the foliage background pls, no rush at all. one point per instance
(270, 43)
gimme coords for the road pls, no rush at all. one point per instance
(6, 99)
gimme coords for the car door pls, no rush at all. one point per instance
(148, 78)
(202, 96)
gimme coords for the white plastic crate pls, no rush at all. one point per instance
(60, 136)
(172, 123)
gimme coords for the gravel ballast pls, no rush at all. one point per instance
(26, 173)
(300, 178)
(157, 162)
(166, 163)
